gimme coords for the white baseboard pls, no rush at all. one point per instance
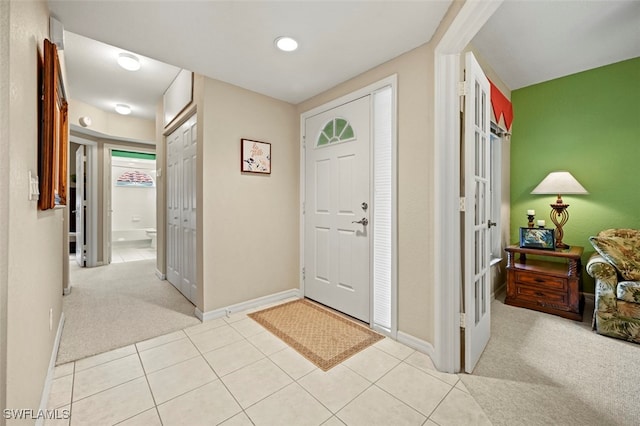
(249, 304)
(160, 275)
(417, 344)
(50, 373)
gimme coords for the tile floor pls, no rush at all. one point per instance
(231, 371)
(131, 254)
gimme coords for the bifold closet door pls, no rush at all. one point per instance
(181, 208)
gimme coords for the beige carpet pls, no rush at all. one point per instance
(540, 369)
(114, 306)
(322, 336)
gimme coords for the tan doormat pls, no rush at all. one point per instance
(323, 337)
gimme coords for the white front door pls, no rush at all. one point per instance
(80, 206)
(477, 284)
(337, 208)
(181, 208)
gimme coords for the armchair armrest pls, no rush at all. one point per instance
(606, 278)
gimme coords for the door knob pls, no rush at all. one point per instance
(364, 221)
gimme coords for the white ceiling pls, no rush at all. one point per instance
(525, 42)
(528, 42)
(233, 41)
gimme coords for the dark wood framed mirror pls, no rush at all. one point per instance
(54, 133)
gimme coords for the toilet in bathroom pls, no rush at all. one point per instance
(151, 233)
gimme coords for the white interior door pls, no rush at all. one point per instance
(477, 285)
(174, 178)
(337, 211)
(181, 208)
(80, 206)
(188, 210)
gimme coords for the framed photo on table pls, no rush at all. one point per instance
(538, 238)
(255, 156)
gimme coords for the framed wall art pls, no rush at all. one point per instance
(539, 238)
(255, 156)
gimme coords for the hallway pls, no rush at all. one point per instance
(117, 305)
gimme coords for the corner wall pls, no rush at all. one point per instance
(250, 224)
(35, 237)
(587, 124)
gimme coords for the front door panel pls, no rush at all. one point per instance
(337, 184)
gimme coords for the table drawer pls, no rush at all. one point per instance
(541, 297)
(544, 281)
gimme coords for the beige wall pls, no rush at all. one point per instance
(4, 189)
(250, 228)
(112, 124)
(34, 262)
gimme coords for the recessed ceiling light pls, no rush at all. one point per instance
(128, 61)
(123, 109)
(286, 44)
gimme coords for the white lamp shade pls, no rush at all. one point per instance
(559, 183)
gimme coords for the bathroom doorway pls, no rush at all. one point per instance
(131, 208)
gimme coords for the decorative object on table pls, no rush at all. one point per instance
(541, 223)
(559, 183)
(616, 269)
(531, 215)
(255, 156)
(539, 238)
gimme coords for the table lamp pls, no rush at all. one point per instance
(559, 183)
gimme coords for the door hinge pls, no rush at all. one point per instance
(304, 207)
(304, 142)
(463, 204)
(303, 274)
(462, 88)
(463, 320)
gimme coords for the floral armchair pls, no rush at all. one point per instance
(616, 269)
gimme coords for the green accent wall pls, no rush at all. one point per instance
(588, 124)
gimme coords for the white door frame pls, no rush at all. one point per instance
(91, 171)
(391, 81)
(448, 266)
(106, 194)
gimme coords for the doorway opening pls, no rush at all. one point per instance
(132, 205)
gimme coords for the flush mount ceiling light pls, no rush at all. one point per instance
(123, 109)
(286, 44)
(128, 61)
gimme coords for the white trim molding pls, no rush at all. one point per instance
(417, 344)
(160, 275)
(50, 373)
(448, 275)
(249, 304)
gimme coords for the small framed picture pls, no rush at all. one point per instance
(255, 156)
(539, 238)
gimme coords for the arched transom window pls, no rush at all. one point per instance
(336, 130)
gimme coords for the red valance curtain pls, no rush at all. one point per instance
(501, 106)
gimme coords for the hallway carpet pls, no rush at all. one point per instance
(322, 336)
(114, 306)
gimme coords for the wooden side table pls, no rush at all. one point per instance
(544, 285)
